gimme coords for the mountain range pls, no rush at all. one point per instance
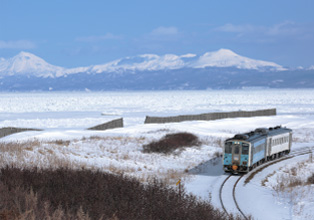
(222, 69)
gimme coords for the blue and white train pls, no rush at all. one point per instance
(245, 151)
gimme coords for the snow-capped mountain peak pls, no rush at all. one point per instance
(26, 55)
(222, 53)
(227, 58)
(149, 62)
(311, 67)
(28, 64)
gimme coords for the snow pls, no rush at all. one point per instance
(311, 67)
(65, 116)
(149, 62)
(30, 65)
(227, 58)
(279, 203)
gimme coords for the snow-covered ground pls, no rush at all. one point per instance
(64, 140)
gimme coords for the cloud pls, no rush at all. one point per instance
(19, 44)
(238, 28)
(287, 31)
(165, 31)
(107, 36)
(286, 28)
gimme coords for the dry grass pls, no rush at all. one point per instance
(213, 141)
(291, 185)
(289, 179)
(63, 154)
(172, 142)
(264, 181)
(103, 153)
(34, 154)
(304, 135)
(310, 180)
(61, 194)
(18, 204)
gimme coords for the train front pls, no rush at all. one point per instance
(236, 156)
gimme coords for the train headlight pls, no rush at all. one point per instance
(234, 167)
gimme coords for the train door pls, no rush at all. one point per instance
(290, 141)
(269, 145)
(236, 154)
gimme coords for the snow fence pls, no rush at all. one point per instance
(11, 130)
(210, 116)
(117, 123)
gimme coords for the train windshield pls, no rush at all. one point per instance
(228, 148)
(245, 149)
(236, 149)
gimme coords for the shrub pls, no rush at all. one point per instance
(310, 180)
(171, 142)
(83, 194)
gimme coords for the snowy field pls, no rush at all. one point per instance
(65, 142)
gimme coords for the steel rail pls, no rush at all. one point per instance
(233, 197)
(272, 162)
(220, 194)
(286, 157)
(235, 200)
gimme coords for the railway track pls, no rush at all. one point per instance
(227, 189)
(272, 162)
(227, 196)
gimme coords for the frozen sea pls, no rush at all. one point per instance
(66, 115)
(79, 110)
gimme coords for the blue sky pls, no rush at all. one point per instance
(72, 33)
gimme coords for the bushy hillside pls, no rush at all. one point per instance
(84, 194)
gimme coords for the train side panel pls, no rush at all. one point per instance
(258, 151)
(279, 143)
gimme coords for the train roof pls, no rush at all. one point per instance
(280, 130)
(260, 133)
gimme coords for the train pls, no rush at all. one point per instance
(244, 152)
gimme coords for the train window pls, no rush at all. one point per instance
(228, 148)
(245, 149)
(236, 149)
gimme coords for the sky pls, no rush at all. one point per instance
(76, 33)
